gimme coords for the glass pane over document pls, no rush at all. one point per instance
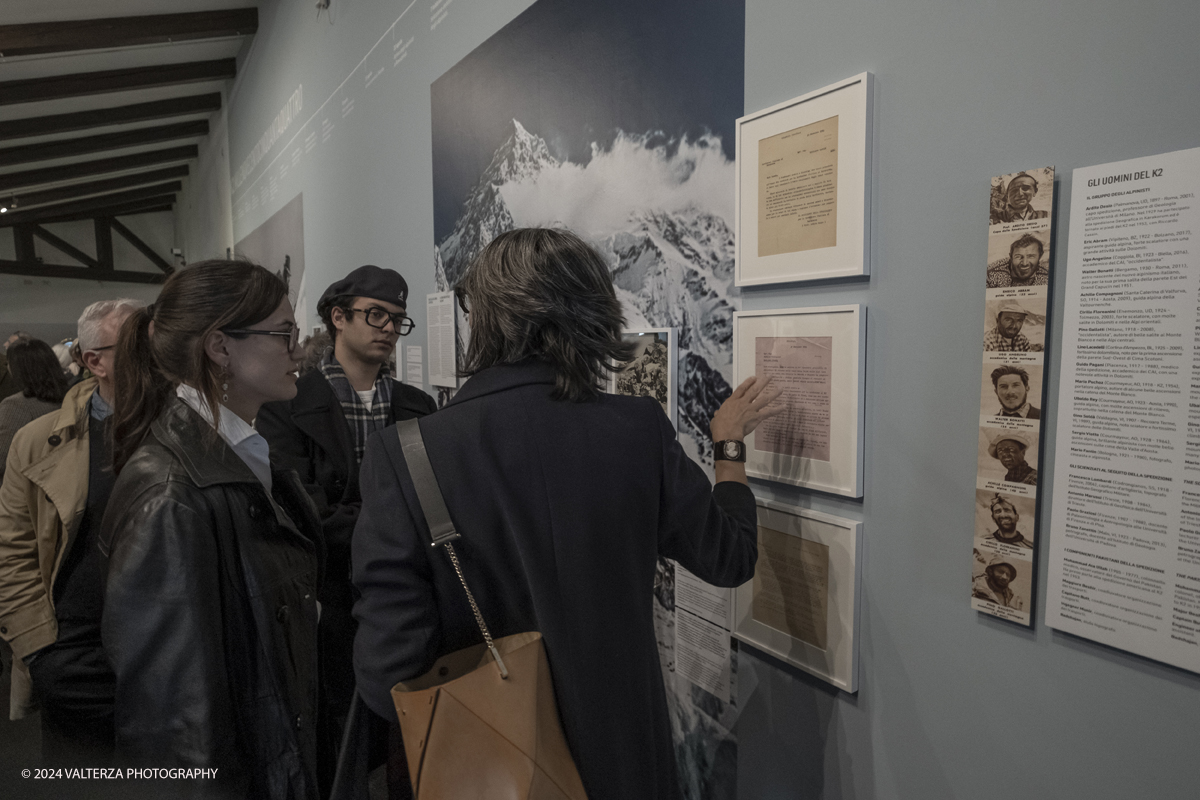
(791, 586)
(803, 367)
(797, 189)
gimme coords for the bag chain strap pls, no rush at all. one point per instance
(487, 636)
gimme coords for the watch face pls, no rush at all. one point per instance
(732, 450)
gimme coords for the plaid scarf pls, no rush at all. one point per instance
(363, 421)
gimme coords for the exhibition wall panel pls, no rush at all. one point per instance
(950, 703)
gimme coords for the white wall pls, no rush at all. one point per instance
(203, 221)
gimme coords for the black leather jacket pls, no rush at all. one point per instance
(210, 615)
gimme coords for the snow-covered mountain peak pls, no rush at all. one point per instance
(523, 155)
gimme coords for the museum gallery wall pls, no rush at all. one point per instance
(400, 161)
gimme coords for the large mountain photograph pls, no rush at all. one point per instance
(616, 121)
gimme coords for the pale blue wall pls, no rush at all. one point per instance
(952, 704)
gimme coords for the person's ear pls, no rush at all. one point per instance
(338, 317)
(216, 347)
(91, 360)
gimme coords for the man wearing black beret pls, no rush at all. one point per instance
(321, 434)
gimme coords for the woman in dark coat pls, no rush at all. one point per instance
(35, 367)
(565, 498)
(210, 612)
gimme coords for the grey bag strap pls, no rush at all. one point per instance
(428, 492)
(441, 528)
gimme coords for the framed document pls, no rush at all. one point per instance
(802, 604)
(803, 191)
(652, 371)
(817, 356)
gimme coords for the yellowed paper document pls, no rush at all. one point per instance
(791, 586)
(797, 189)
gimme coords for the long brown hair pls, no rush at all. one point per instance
(544, 293)
(36, 368)
(194, 302)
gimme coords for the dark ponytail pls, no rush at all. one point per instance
(150, 362)
(139, 387)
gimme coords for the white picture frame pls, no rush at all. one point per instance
(837, 662)
(832, 459)
(667, 379)
(850, 101)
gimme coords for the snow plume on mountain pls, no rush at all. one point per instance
(660, 217)
(595, 199)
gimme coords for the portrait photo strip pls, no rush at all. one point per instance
(1018, 275)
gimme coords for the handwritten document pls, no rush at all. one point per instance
(791, 586)
(803, 367)
(797, 189)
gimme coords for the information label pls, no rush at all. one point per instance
(439, 319)
(702, 648)
(414, 366)
(1125, 543)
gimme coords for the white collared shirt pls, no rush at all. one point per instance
(249, 445)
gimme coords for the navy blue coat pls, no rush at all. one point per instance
(564, 509)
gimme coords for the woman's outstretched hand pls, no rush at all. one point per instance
(745, 408)
(740, 415)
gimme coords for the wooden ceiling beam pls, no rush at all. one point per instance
(82, 120)
(37, 177)
(80, 84)
(75, 190)
(37, 269)
(91, 34)
(65, 148)
(66, 247)
(150, 204)
(143, 248)
(90, 204)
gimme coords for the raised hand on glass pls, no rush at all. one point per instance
(739, 415)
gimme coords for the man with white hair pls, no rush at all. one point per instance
(56, 486)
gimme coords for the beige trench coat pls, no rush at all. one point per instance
(42, 501)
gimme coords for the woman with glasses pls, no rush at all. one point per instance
(210, 609)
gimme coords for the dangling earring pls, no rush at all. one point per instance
(225, 384)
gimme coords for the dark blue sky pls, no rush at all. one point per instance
(575, 72)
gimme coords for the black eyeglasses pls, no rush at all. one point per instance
(292, 335)
(379, 318)
(461, 296)
(99, 349)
